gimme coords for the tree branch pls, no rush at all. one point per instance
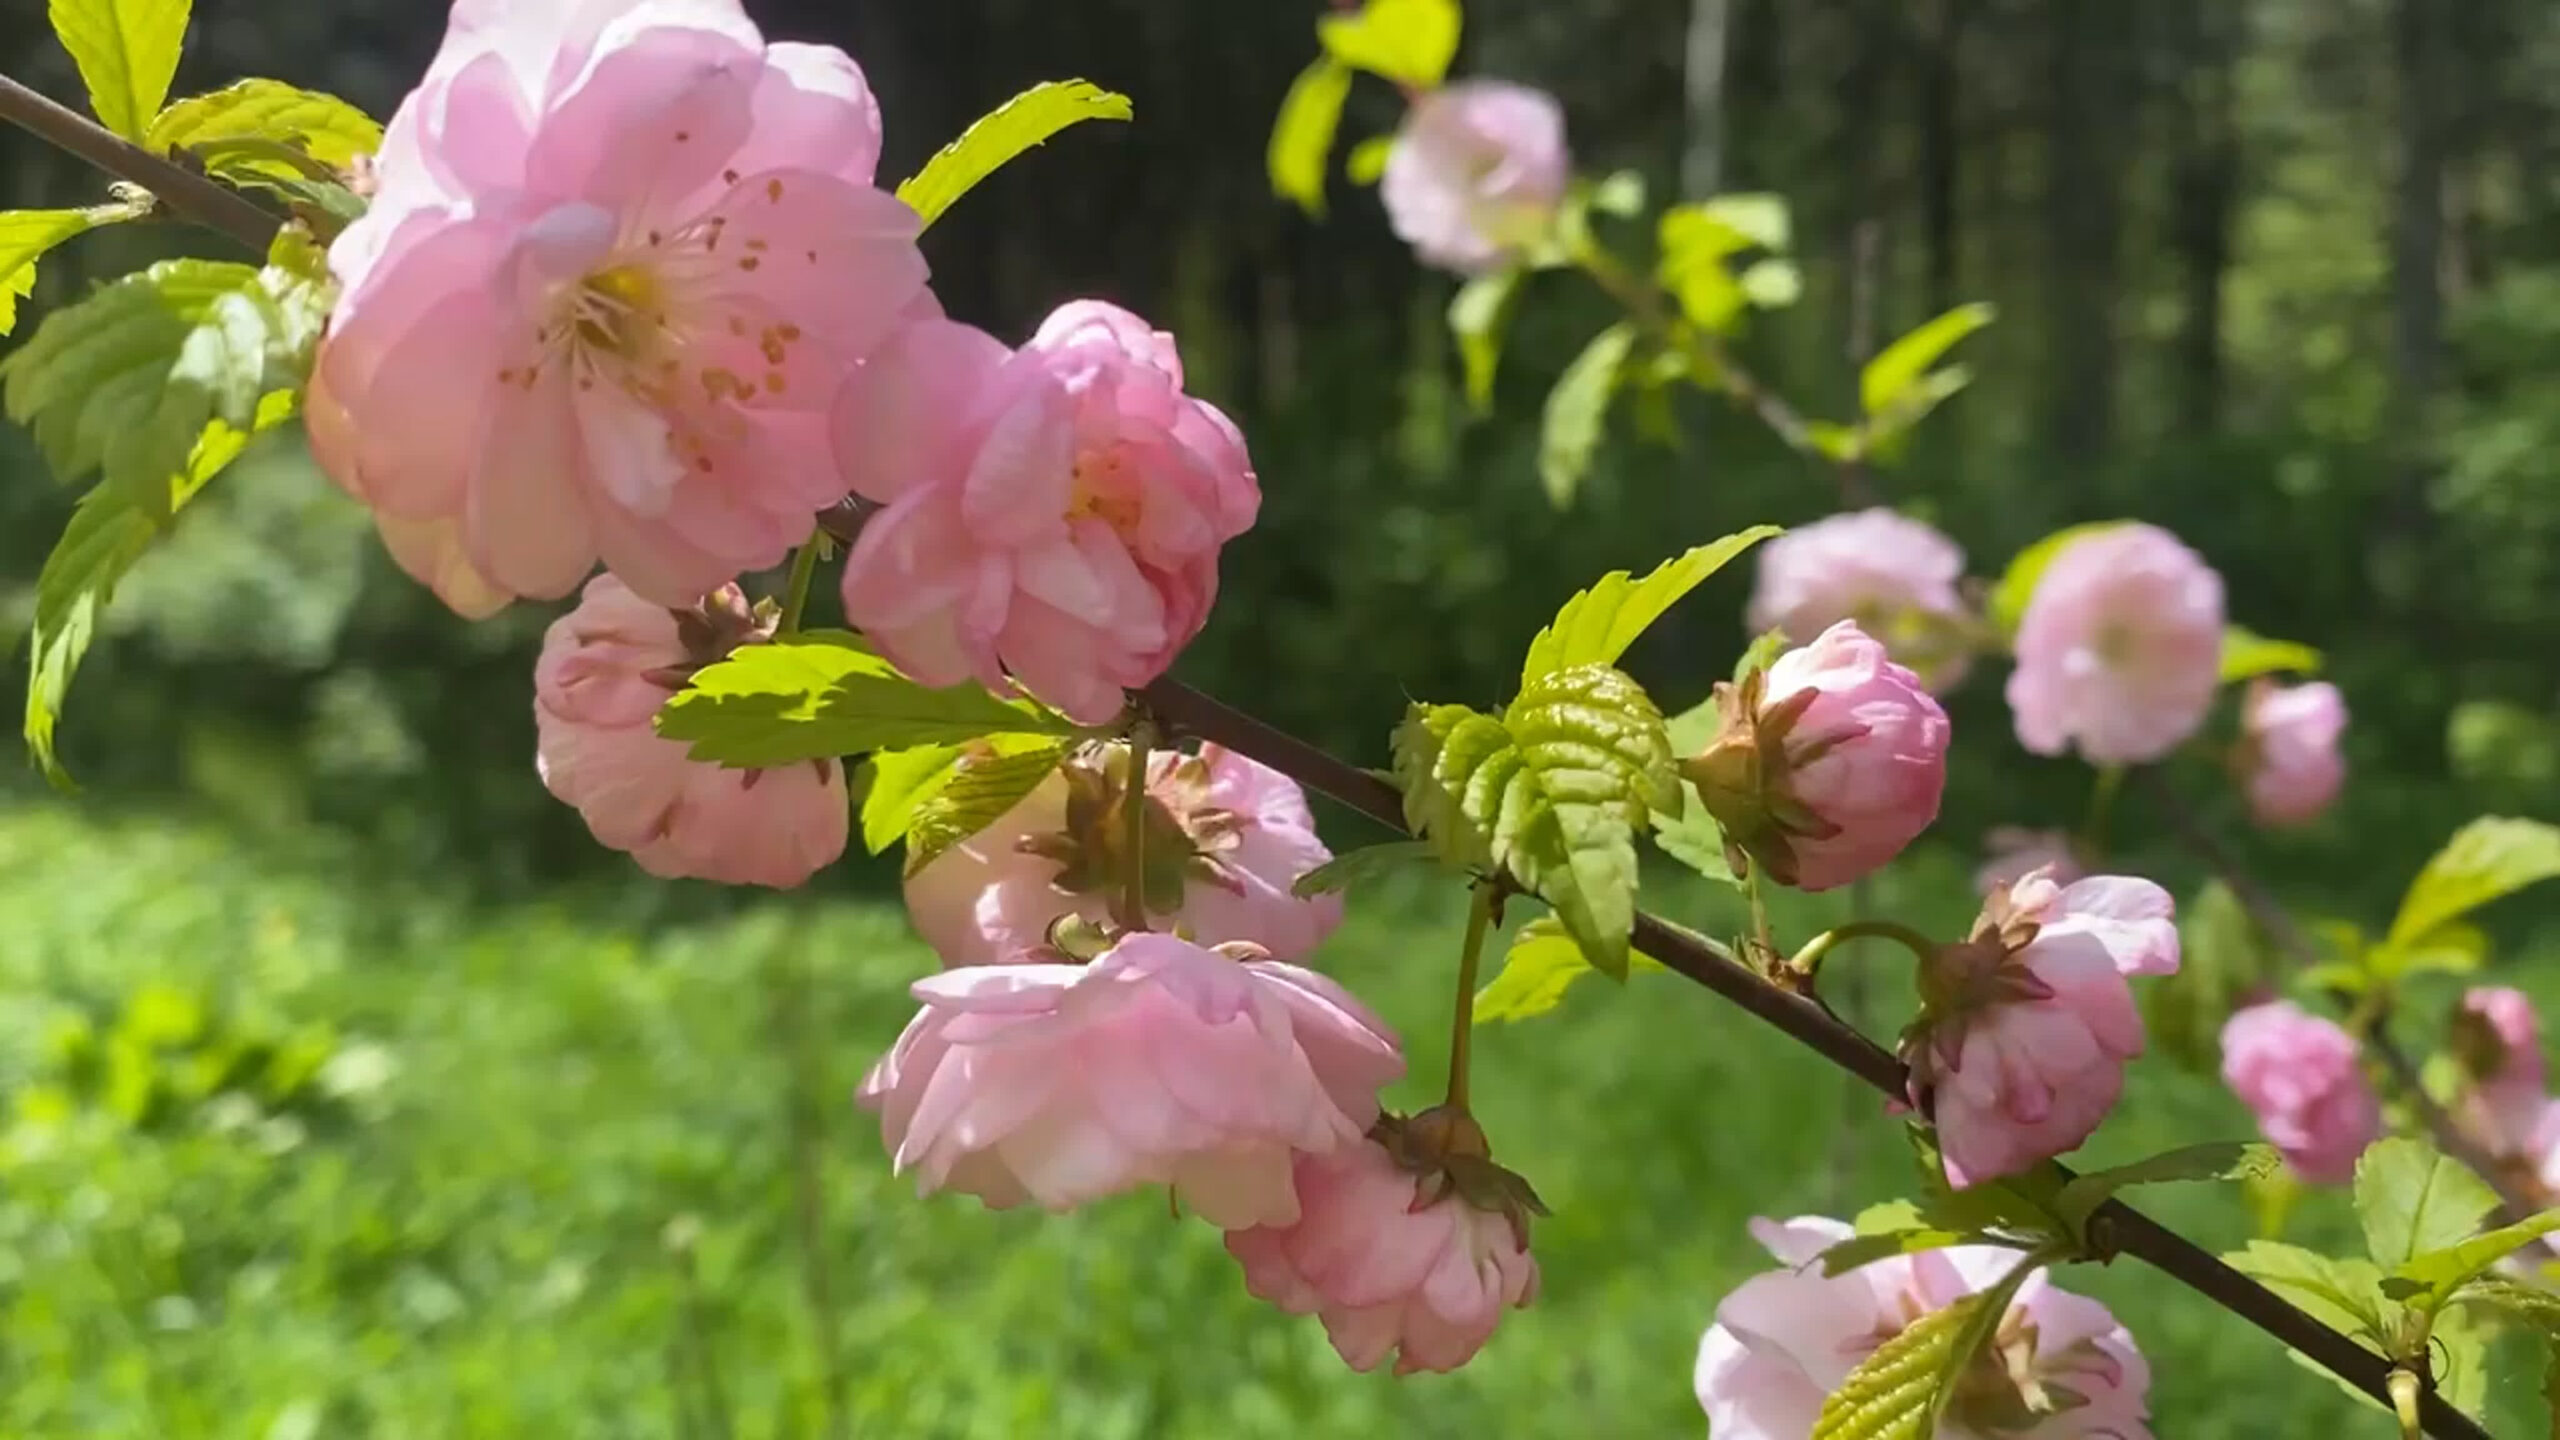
(187, 194)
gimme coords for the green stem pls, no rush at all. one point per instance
(1462, 1014)
(795, 601)
(1809, 959)
(2102, 804)
(1647, 305)
(1759, 913)
(1133, 813)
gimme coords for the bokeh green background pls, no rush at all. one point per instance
(356, 1092)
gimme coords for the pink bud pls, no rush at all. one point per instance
(1161, 1063)
(2120, 650)
(1476, 174)
(1828, 763)
(2016, 852)
(1893, 575)
(605, 670)
(2498, 1041)
(2298, 1072)
(2289, 750)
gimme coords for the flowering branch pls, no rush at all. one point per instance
(187, 194)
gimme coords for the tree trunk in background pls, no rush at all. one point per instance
(2204, 187)
(1702, 157)
(2090, 109)
(2417, 243)
(1940, 147)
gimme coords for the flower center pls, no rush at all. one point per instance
(617, 311)
(1102, 493)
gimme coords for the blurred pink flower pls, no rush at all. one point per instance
(2016, 851)
(1892, 574)
(2120, 650)
(584, 315)
(2498, 1042)
(1159, 1063)
(1827, 764)
(2299, 1074)
(606, 668)
(2021, 1044)
(1228, 837)
(2059, 1367)
(2289, 750)
(1055, 512)
(1476, 174)
(1391, 1260)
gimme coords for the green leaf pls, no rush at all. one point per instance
(2453, 948)
(2247, 655)
(1619, 193)
(1368, 159)
(1577, 413)
(1002, 135)
(1302, 137)
(1435, 744)
(1477, 318)
(1693, 838)
(128, 379)
(988, 782)
(1899, 1392)
(1357, 867)
(2527, 1305)
(322, 128)
(902, 781)
(1867, 1247)
(2412, 1198)
(1693, 729)
(2219, 1160)
(25, 236)
(2433, 1278)
(1699, 241)
(2345, 1295)
(2222, 959)
(2488, 858)
(1891, 382)
(1772, 284)
(2018, 584)
(1542, 963)
(1410, 42)
(1597, 625)
(817, 697)
(1835, 441)
(127, 50)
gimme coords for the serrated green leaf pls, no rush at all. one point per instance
(1462, 739)
(1693, 729)
(25, 236)
(1368, 159)
(1358, 867)
(2247, 655)
(2343, 1294)
(2489, 858)
(2438, 1274)
(2412, 1198)
(1477, 318)
(1002, 135)
(1868, 1247)
(1899, 1392)
(1302, 136)
(2219, 1160)
(976, 794)
(901, 782)
(815, 697)
(1542, 963)
(1410, 42)
(1577, 413)
(1693, 838)
(2017, 585)
(1890, 382)
(319, 126)
(1597, 625)
(127, 51)
(2222, 959)
(2527, 1305)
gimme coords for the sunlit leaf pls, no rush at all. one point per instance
(127, 51)
(2343, 1294)
(322, 128)
(1368, 160)
(901, 782)
(1577, 414)
(2433, 1278)
(1891, 381)
(1410, 42)
(1542, 963)
(989, 781)
(2246, 656)
(814, 697)
(25, 236)
(2487, 859)
(1359, 867)
(1302, 136)
(1476, 319)
(2412, 1198)
(1597, 625)
(1027, 120)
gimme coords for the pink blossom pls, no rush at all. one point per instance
(2298, 1072)
(2058, 1367)
(605, 670)
(1476, 174)
(2498, 1041)
(2120, 650)
(1055, 512)
(2289, 741)
(1390, 1261)
(1892, 574)
(2015, 851)
(1231, 833)
(1828, 763)
(2022, 1042)
(584, 316)
(1159, 1063)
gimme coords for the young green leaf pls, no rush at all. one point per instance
(1410, 42)
(1367, 161)
(2453, 948)
(2343, 1294)
(127, 51)
(2489, 858)
(1899, 1392)
(1890, 383)
(1542, 963)
(2247, 655)
(2219, 1160)
(2412, 1198)
(1434, 745)
(1698, 242)
(1869, 1246)
(2528, 1305)
(1302, 136)
(815, 698)
(1693, 838)
(1357, 867)
(318, 127)
(902, 781)
(1002, 135)
(1772, 284)
(1476, 319)
(1597, 625)
(978, 793)
(1577, 414)
(2433, 1278)
(2017, 585)
(25, 236)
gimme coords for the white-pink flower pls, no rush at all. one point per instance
(1159, 1063)
(1054, 512)
(620, 256)
(606, 668)
(2289, 750)
(2021, 1045)
(2015, 851)
(2120, 649)
(1227, 835)
(1476, 174)
(1392, 1260)
(2498, 1041)
(1892, 574)
(1827, 763)
(2299, 1074)
(2058, 1367)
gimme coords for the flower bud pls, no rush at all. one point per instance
(2288, 759)
(2299, 1074)
(1892, 574)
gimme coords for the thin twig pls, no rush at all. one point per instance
(186, 193)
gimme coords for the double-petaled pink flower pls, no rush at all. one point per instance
(620, 257)
(2057, 1366)
(2021, 1044)
(1161, 1062)
(2288, 753)
(2120, 649)
(2498, 1041)
(605, 670)
(1476, 174)
(2298, 1073)
(1226, 839)
(1892, 574)
(1054, 513)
